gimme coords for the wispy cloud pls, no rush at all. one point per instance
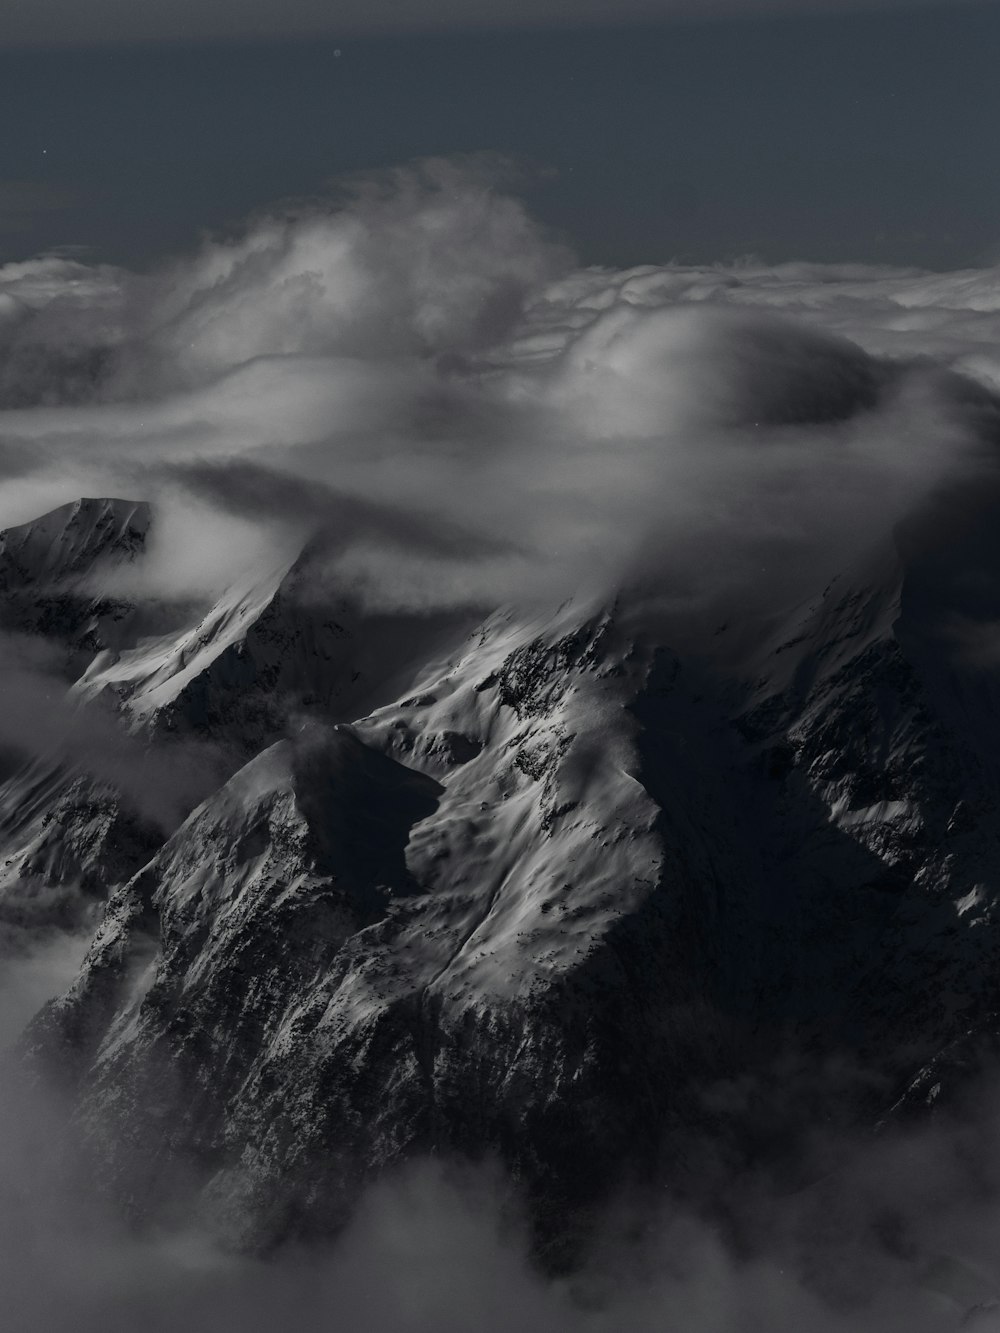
(420, 370)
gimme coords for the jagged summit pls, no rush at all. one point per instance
(526, 887)
(271, 645)
(68, 541)
(50, 575)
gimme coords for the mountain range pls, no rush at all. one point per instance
(612, 894)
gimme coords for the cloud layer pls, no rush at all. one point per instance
(419, 372)
(903, 1238)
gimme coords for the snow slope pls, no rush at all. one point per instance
(558, 897)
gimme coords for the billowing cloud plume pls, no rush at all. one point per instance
(426, 262)
(417, 373)
(57, 320)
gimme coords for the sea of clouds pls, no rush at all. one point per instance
(424, 374)
(421, 375)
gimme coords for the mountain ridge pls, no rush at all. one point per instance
(611, 879)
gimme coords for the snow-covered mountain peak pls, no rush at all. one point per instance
(321, 803)
(68, 542)
(522, 885)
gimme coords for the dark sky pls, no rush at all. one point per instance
(869, 135)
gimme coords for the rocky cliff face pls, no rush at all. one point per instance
(50, 571)
(562, 889)
(63, 836)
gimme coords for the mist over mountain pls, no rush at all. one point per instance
(498, 783)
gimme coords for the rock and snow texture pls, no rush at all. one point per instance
(560, 882)
(235, 669)
(48, 567)
(63, 837)
(67, 543)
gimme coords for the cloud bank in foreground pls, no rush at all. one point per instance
(441, 1248)
(60, 23)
